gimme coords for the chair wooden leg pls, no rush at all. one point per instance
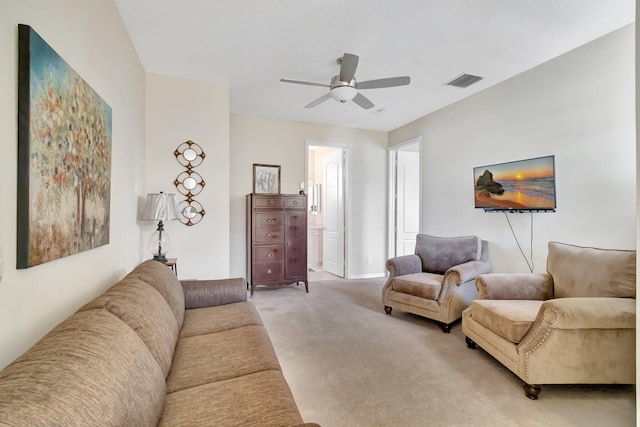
(532, 390)
(387, 309)
(470, 343)
(446, 327)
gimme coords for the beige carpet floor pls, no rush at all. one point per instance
(349, 364)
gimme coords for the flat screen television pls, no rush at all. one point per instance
(522, 185)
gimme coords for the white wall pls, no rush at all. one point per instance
(579, 107)
(282, 142)
(90, 36)
(179, 110)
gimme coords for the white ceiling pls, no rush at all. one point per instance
(251, 44)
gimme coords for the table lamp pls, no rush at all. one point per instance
(160, 207)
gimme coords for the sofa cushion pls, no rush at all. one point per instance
(146, 312)
(90, 370)
(591, 272)
(215, 357)
(207, 320)
(511, 319)
(423, 285)
(160, 277)
(438, 254)
(260, 399)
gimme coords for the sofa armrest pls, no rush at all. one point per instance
(209, 293)
(406, 264)
(468, 271)
(516, 286)
(579, 313)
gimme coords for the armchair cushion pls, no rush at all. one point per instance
(511, 319)
(591, 272)
(438, 254)
(423, 285)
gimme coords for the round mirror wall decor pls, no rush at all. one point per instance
(192, 212)
(190, 183)
(189, 154)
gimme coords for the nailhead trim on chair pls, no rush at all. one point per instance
(412, 305)
(546, 335)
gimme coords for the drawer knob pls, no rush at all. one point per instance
(269, 202)
(269, 235)
(295, 202)
(269, 271)
(269, 220)
(269, 255)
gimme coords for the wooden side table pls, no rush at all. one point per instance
(172, 263)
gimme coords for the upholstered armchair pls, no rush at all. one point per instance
(574, 324)
(436, 282)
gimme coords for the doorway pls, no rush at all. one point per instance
(405, 174)
(326, 177)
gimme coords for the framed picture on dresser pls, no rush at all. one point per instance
(266, 179)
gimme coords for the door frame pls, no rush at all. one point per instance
(393, 154)
(345, 189)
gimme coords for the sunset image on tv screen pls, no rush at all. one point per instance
(523, 184)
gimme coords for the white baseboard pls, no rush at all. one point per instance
(367, 276)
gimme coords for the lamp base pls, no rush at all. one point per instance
(160, 258)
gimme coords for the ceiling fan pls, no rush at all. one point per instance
(344, 87)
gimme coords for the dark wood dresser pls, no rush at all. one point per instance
(276, 240)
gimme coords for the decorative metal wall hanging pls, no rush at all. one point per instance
(190, 183)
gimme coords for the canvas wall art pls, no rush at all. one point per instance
(64, 157)
(266, 179)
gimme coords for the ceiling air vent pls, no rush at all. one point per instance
(464, 80)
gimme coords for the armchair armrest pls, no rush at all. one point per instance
(590, 313)
(209, 293)
(467, 271)
(406, 264)
(579, 313)
(515, 286)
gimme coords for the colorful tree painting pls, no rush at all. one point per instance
(67, 156)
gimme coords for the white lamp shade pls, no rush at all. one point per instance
(160, 207)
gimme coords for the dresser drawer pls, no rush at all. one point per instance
(268, 253)
(268, 202)
(269, 219)
(268, 272)
(296, 202)
(269, 227)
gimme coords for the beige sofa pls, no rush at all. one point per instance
(574, 324)
(153, 351)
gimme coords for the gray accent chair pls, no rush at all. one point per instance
(436, 282)
(574, 324)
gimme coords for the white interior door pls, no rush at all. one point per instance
(407, 201)
(333, 229)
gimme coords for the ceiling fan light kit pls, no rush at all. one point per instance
(344, 88)
(343, 93)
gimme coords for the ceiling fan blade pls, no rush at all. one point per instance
(302, 82)
(348, 67)
(380, 83)
(363, 101)
(318, 101)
